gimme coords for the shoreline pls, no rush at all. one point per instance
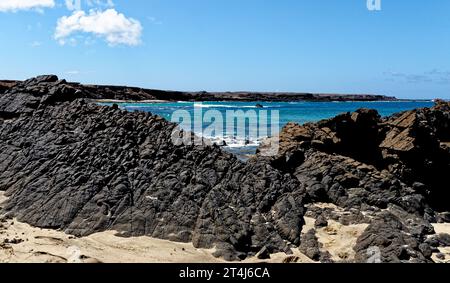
(118, 101)
(114, 93)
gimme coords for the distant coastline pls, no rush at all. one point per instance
(105, 93)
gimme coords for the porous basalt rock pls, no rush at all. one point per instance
(387, 239)
(311, 247)
(69, 164)
(405, 155)
(366, 164)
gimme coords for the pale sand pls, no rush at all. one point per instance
(50, 246)
(41, 245)
(442, 229)
(36, 245)
(337, 239)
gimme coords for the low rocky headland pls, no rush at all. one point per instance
(123, 93)
(354, 188)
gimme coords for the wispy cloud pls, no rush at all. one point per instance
(433, 76)
(75, 72)
(154, 20)
(36, 44)
(16, 5)
(114, 27)
(72, 72)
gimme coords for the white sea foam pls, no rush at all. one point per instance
(233, 141)
(200, 105)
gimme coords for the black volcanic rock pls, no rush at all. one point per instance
(387, 239)
(416, 148)
(311, 247)
(67, 163)
(351, 184)
(99, 92)
(409, 152)
(6, 85)
(72, 165)
(397, 165)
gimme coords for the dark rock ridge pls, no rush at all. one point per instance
(138, 94)
(72, 165)
(67, 163)
(393, 170)
(5, 85)
(407, 154)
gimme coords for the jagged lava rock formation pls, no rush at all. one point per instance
(72, 165)
(388, 172)
(67, 163)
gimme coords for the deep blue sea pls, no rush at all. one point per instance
(299, 112)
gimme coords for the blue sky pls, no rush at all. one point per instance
(217, 45)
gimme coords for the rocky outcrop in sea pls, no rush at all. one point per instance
(67, 163)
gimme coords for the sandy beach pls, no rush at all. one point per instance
(22, 243)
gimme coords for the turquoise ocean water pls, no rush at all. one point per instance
(299, 112)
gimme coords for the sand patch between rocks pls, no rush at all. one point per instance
(442, 228)
(26, 244)
(337, 239)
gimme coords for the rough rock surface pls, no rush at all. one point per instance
(72, 165)
(401, 159)
(311, 247)
(389, 172)
(5, 85)
(393, 242)
(67, 163)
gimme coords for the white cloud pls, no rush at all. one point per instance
(16, 5)
(114, 27)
